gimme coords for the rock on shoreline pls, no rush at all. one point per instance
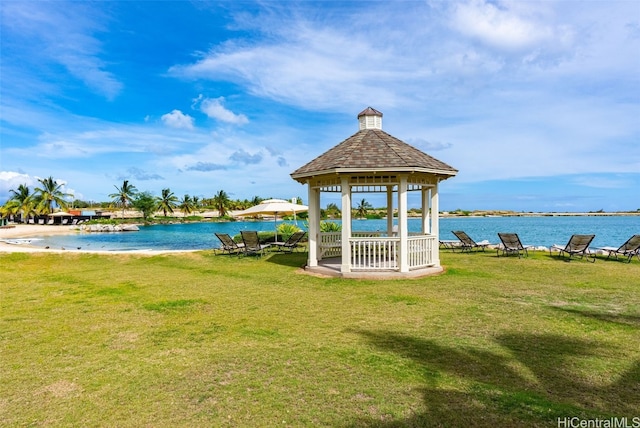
(109, 228)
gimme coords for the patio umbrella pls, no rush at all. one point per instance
(274, 207)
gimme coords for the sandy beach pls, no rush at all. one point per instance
(21, 231)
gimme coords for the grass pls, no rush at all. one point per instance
(203, 340)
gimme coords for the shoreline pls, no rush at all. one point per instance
(25, 231)
(20, 231)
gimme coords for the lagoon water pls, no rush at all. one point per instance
(539, 231)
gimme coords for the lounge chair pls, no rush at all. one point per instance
(252, 243)
(628, 249)
(448, 244)
(578, 245)
(291, 243)
(468, 244)
(228, 244)
(511, 244)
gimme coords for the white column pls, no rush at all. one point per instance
(403, 224)
(426, 226)
(389, 210)
(435, 225)
(346, 225)
(314, 225)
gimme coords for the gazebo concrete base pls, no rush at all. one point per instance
(331, 268)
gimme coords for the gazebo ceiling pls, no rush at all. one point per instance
(371, 150)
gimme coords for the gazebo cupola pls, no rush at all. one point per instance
(370, 118)
(372, 161)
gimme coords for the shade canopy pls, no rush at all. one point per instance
(274, 207)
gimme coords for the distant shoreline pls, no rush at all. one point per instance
(539, 214)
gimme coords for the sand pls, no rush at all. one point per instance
(31, 230)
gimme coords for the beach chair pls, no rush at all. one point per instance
(511, 244)
(628, 249)
(228, 244)
(468, 244)
(578, 245)
(252, 243)
(448, 244)
(291, 244)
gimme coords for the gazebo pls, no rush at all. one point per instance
(372, 161)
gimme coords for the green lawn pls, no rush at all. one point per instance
(202, 340)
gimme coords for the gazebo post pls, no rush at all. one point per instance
(435, 225)
(389, 210)
(426, 226)
(346, 225)
(403, 225)
(314, 224)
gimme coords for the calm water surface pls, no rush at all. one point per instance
(539, 231)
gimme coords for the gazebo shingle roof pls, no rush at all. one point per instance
(373, 149)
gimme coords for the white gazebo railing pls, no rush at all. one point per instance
(420, 251)
(372, 252)
(330, 245)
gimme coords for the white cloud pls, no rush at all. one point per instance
(65, 34)
(308, 64)
(108, 138)
(177, 119)
(10, 180)
(214, 109)
(499, 25)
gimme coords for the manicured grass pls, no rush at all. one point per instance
(204, 340)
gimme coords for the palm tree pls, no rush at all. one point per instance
(221, 202)
(124, 195)
(363, 207)
(187, 205)
(332, 210)
(167, 202)
(20, 201)
(49, 194)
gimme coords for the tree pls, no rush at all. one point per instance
(21, 201)
(167, 202)
(332, 210)
(186, 205)
(146, 203)
(124, 195)
(221, 202)
(48, 194)
(363, 208)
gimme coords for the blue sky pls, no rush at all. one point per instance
(536, 103)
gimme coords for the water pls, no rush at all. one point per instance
(539, 231)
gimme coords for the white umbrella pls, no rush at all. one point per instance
(275, 207)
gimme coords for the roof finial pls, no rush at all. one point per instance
(370, 118)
